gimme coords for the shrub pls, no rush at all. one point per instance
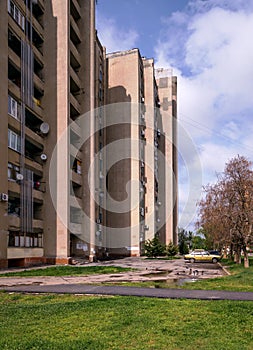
(171, 249)
(154, 248)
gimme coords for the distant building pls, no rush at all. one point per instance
(131, 79)
(54, 70)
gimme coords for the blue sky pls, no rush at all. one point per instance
(208, 43)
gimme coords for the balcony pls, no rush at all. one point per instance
(75, 34)
(38, 195)
(33, 150)
(34, 138)
(14, 187)
(75, 202)
(76, 178)
(39, 5)
(14, 43)
(37, 107)
(38, 82)
(38, 224)
(37, 54)
(32, 121)
(75, 83)
(75, 152)
(75, 9)
(75, 58)
(33, 165)
(14, 74)
(75, 228)
(75, 109)
(76, 128)
(14, 124)
(38, 27)
(16, 28)
(13, 222)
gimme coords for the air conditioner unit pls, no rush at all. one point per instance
(4, 197)
(143, 99)
(146, 227)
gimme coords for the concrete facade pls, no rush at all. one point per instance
(55, 82)
(149, 157)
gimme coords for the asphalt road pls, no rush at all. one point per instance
(132, 291)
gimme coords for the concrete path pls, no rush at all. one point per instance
(132, 291)
(147, 270)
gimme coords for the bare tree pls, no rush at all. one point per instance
(226, 212)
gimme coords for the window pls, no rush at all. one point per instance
(14, 141)
(16, 14)
(13, 107)
(14, 206)
(33, 240)
(13, 170)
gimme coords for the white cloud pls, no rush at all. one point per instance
(209, 47)
(114, 38)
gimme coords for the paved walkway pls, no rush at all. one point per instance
(133, 291)
(147, 270)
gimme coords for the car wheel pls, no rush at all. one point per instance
(214, 260)
(192, 260)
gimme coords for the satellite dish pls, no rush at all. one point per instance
(19, 177)
(43, 156)
(44, 128)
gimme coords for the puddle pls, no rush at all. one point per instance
(182, 281)
(157, 273)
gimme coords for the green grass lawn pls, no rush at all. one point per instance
(67, 322)
(67, 271)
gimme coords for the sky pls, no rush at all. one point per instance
(209, 46)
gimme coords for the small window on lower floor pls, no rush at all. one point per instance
(29, 240)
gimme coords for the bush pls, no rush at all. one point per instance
(171, 249)
(183, 248)
(154, 248)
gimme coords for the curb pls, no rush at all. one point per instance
(224, 269)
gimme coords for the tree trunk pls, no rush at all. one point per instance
(237, 256)
(246, 258)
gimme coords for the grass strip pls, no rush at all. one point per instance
(67, 322)
(67, 271)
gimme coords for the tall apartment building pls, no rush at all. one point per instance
(48, 66)
(58, 202)
(147, 173)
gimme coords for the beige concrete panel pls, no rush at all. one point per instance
(17, 253)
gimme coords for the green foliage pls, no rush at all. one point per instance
(198, 242)
(68, 322)
(182, 242)
(189, 240)
(171, 249)
(154, 248)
